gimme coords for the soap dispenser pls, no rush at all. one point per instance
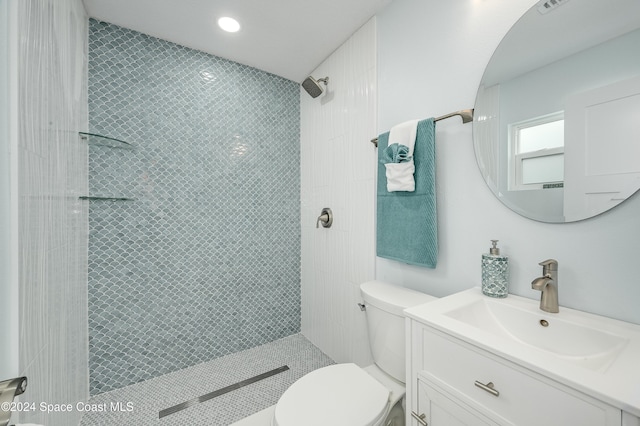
(495, 272)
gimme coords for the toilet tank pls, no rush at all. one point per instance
(385, 323)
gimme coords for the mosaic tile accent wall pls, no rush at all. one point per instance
(205, 260)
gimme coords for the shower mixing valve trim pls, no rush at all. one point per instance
(325, 218)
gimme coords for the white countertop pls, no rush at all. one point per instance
(616, 382)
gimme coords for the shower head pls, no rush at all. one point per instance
(312, 86)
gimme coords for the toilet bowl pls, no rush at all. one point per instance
(349, 395)
(338, 394)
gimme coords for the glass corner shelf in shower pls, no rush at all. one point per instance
(90, 198)
(99, 140)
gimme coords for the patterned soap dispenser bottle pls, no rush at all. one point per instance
(495, 272)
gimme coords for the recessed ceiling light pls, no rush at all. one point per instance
(229, 24)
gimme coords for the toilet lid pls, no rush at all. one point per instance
(338, 395)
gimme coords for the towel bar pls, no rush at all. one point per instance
(465, 114)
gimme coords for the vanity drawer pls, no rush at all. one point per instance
(516, 395)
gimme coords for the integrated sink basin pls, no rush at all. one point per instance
(523, 323)
(590, 353)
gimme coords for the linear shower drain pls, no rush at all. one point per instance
(222, 391)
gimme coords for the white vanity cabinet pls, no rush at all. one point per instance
(452, 382)
(436, 408)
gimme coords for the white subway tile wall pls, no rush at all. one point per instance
(338, 166)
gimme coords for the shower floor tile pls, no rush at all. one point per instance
(140, 404)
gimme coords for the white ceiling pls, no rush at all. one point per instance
(288, 38)
(537, 40)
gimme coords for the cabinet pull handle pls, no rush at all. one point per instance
(420, 418)
(488, 387)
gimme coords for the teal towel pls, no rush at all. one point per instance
(395, 153)
(407, 227)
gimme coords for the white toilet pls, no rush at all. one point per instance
(347, 395)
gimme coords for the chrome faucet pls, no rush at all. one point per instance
(548, 285)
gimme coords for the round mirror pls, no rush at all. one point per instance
(557, 116)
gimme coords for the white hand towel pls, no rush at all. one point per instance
(404, 134)
(400, 175)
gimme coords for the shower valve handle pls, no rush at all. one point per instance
(326, 217)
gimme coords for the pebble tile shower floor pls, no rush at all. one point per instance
(147, 399)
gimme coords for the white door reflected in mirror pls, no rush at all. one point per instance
(600, 175)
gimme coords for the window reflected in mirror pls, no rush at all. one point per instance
(536, 153)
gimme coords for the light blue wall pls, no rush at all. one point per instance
(431, 58)
(206, 260)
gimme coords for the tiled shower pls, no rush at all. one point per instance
(195, 236)
(202, 256)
